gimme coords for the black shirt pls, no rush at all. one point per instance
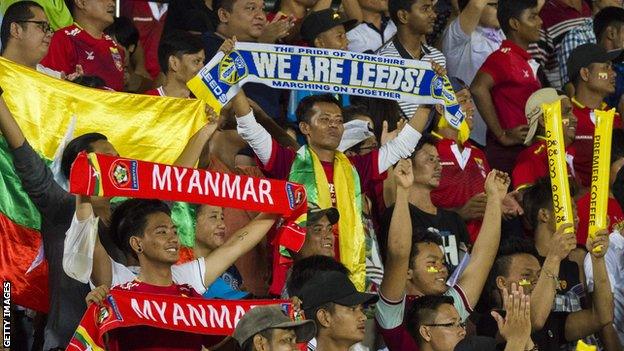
(448, 224)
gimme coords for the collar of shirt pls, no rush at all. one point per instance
(514, 48)
(603, 106)
(424, 50)
(493, 34)
(617, 240)
(384, 23)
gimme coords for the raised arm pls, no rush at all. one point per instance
(399, 236)
(543, 294)
(582, 323)
(240, 243)
(471, 14)
(249, 129)
(485, 247)
(193, 149)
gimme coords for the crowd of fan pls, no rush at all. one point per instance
(462, 250)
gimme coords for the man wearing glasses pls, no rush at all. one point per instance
(85, 44)
(26, 35)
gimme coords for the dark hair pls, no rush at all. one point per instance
(508, 9)
(130, 218)
(304, 109)
(304, 269)
(17, 12)
(310, 313)
(423, 311)
(351, 112)
(535, 198)
(608, 16)
(124, 31)
(177, 43)
(422, 237)
(76, 146)
(248, 345)
(617, 145)
(462, 4)
(511, 246)
(426, 139)
(380, 110)
(90, 81)
(71, 6)
(395, 6)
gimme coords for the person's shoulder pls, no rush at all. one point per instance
(69, 31)
(387, 48)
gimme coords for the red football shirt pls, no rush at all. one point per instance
(463, 176)
(149, 19)
(532, 164)
(584, 140)
(514, 81)
(154, 339)
(614, 212)
(71, 46)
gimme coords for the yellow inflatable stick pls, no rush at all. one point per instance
(557, 166)
(601, 165)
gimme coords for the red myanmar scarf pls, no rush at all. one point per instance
(123, 309)
(103, 175)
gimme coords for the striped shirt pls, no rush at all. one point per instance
(578, 36)
(559, 18)
(395, 49)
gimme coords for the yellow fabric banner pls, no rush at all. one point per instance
(149, 128)
(601, 166)
(557, 166)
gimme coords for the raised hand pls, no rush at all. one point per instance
(597, 246)
(403, 174)
(515, 327)
(228, 45)
(97, 295)
(276, 30)
(562, 243)
(496, 184)
(438, 69)
(387, 136)
(474, 208)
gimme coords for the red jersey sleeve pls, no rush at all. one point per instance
(61, 54)
(280, 162)
(367, 167)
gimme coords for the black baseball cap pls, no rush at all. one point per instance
(318, 22)
(332, 286)
(586, 54)
(315, 213)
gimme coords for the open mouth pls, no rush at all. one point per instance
(172, 249)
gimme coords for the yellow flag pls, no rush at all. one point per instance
(557, 166)
(144, 127)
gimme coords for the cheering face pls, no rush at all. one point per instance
(347, 323)
(523, 270)
(326, 126)
(528, 25)
(319, 239)
(427, 169)
(429, 274)
(334, 38)
(467, 105)
(600, 78)
(159, 243)
(102, 11)
(445, 331)
(421, 17)
(210, 228)
(246, 21)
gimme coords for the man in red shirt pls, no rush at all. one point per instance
(506, 80)
(144, 228)
(532, 162)
(591, 73)
(84, 43)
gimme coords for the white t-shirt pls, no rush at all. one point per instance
(366, 38)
